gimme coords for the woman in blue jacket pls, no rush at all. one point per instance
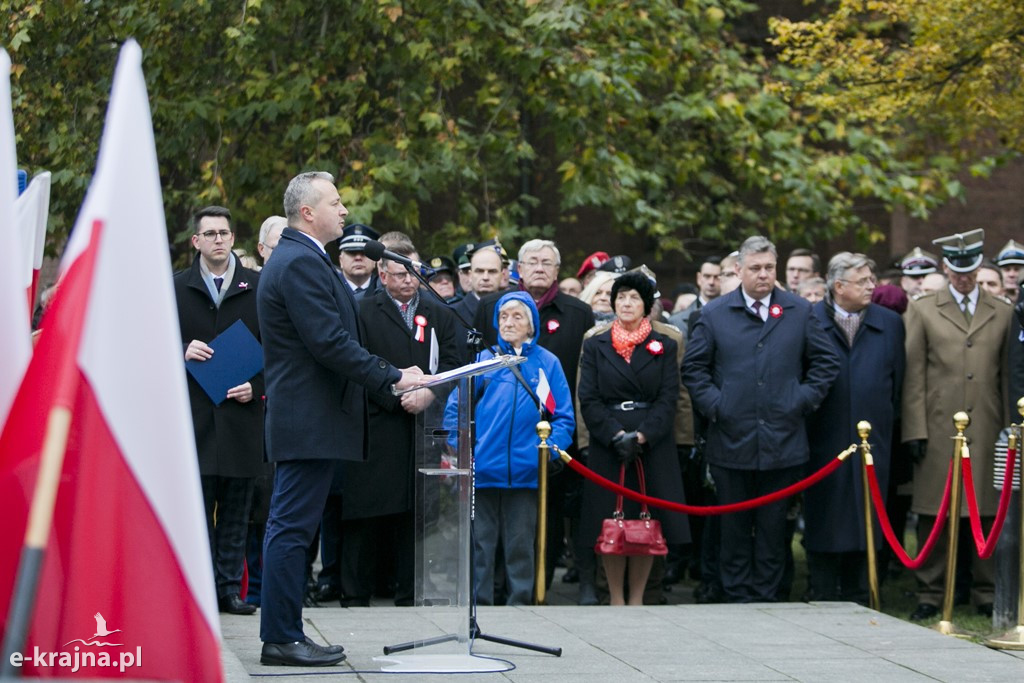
(505, 453)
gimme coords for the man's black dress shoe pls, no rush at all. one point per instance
(354, 602)
(332, 649)
(232, 604)
(923, 612)
(326, 593)
(301, 653)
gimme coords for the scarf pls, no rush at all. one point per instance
(624, 341)
(546, 298)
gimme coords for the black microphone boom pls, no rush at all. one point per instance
(375, 251)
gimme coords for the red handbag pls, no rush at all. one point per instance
(631, 536)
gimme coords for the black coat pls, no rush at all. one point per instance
(316, 368)
(384, 484)
(867, 388)
(229, 437)
(606, 378)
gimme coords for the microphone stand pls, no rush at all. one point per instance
(474, 342)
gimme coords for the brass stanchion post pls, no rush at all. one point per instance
(543, 455)
(960, 420)
(1014, 638)
(864, 431)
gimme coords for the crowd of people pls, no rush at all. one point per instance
(734, 387)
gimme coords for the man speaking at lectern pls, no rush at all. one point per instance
(317, 374)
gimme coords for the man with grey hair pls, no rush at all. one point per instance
(757, 364)
(563, 322)
(270, 235)
(869, 339)
(317, 374)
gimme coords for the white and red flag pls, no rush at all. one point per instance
(547, 399)
(127, 570)
(15, 326)
(33, 209)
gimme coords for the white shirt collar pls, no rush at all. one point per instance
(313, 240)
(972, 297)
(750, 300)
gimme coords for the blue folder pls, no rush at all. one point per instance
(237, 358)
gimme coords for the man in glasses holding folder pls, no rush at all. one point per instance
(216, 292)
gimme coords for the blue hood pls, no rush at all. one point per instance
(528, 300)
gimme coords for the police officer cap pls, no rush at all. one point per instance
(494, 245)
(1010, 255)
(354, 237)
(962, 251)
(918, 262)
(616, 264)
(461, 255)
(442, 264)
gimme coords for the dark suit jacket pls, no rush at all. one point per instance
(315, 365)
(756, 381)
(383, 484)
(229, 437)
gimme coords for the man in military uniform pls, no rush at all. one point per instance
(915, 266)
(359, 271)
(1010, 259)
(956, 360)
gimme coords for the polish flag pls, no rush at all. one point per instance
(127, 570)
(33, 208)
(547, 399)
(15, 338)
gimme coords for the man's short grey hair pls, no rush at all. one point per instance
(807, 284)
(301, 192)
(843, 262)
(536, 245)
(526, 309)
(269, 225)
(758, 244)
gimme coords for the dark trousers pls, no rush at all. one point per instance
(296, 505)
(365, 559)
(974, 574)
(227, 501)
(838, 576)
(330, 544)
(753, 553)
(258, 512)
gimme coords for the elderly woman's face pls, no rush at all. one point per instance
(629, 306)
(514, 325)
(602, 301)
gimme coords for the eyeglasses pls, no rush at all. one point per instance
(863, 282)
(403, 275)
(546, 264)
(212, 235)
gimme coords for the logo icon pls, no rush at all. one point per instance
(101, 632)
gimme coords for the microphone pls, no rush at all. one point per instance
(375, 251)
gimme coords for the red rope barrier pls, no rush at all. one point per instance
(890, 535)
(987, 546)
(799, 486)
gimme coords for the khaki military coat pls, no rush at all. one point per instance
(952, 367)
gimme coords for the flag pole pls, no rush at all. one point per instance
(37, 533)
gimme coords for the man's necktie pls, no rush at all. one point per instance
(965, 306)
(218, 281)
(849, 324)
(757, 309)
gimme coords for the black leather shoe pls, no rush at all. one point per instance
(326, 593)
(354, 602)
(301, 653)
(985, 610)
(332, 649)
(232, 604)
(924, 612)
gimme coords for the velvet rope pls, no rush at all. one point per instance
(799, 486)
(987, 546)
(890, 535)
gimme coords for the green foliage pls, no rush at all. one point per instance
(454, 120)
